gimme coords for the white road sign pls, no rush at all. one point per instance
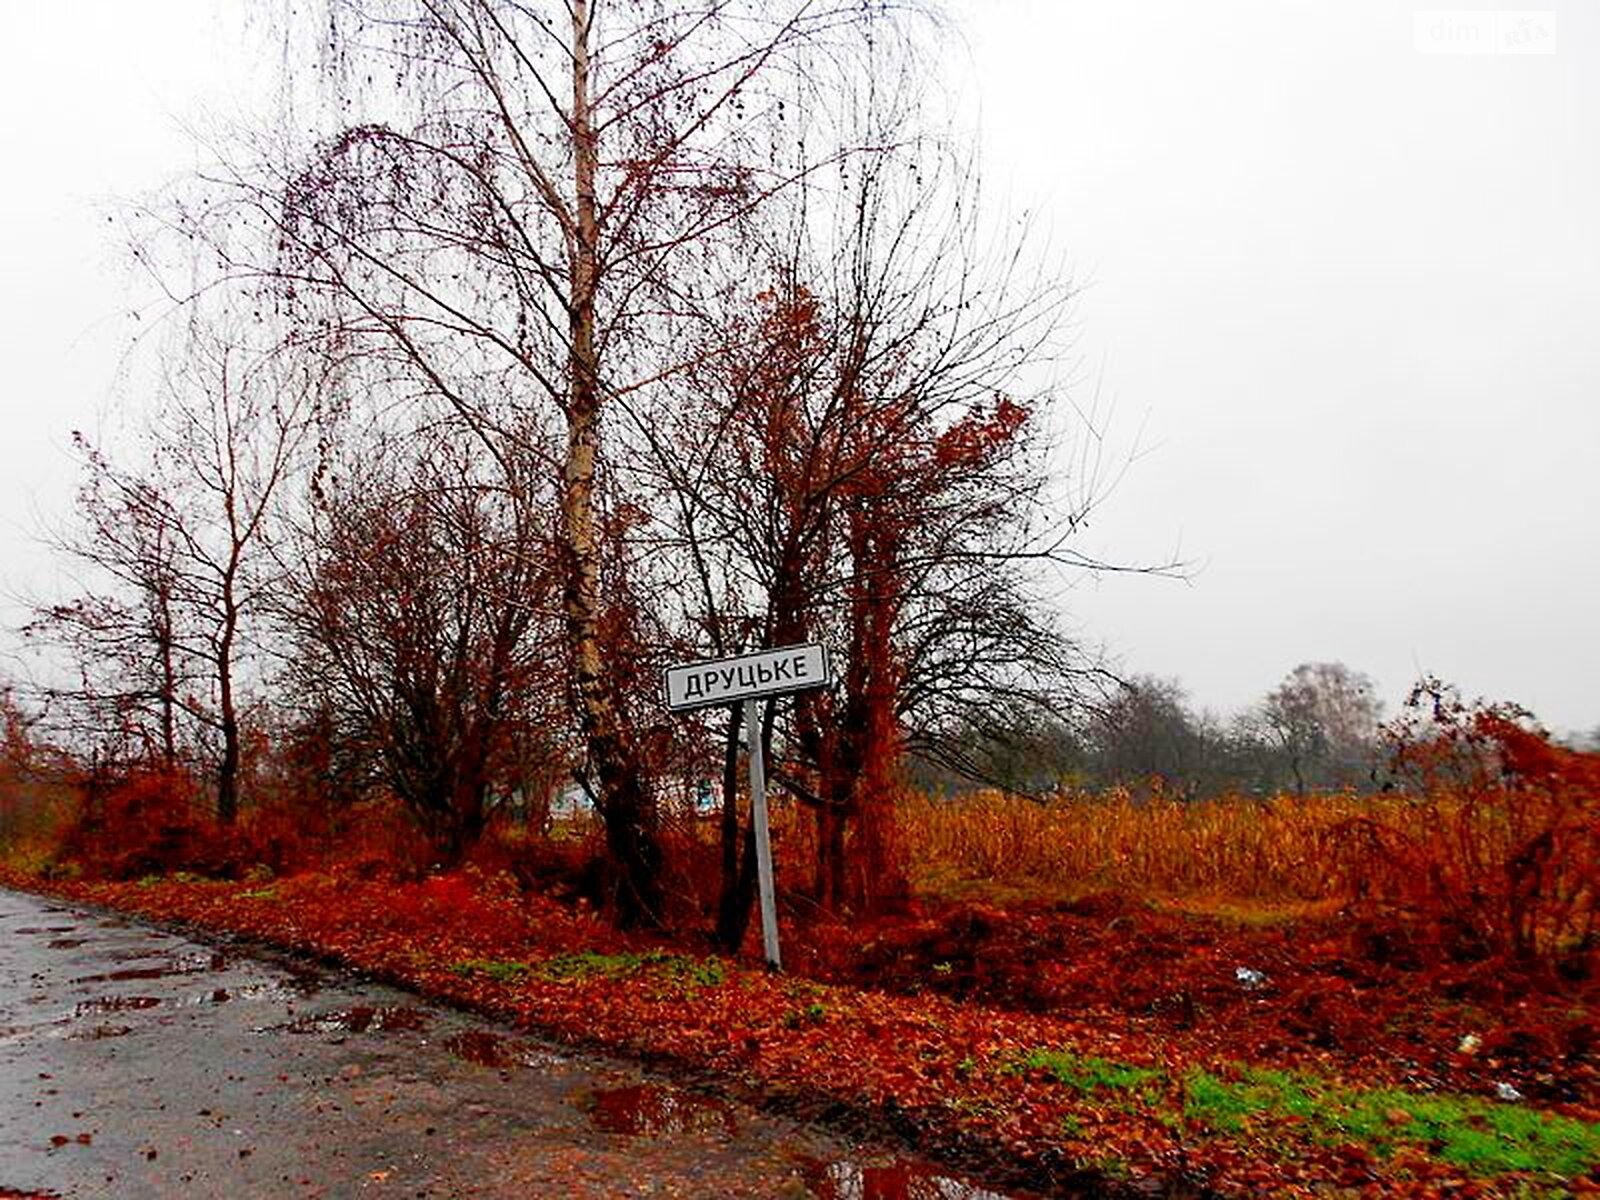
(730, 680)
(747, 678)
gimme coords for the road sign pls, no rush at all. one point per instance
(730, 680)
(745, 679)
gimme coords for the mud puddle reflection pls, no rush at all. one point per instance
(898, 1179)
(654, 1110)
(185, 964)
(358, 1019)
(95, 1033)
(106, 1004)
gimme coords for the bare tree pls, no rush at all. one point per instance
(33, 774)
(173, 549)
(858, 457)
(524, 232)
(229, 435)
(424, 628)
(121, 633)
(1146, 736)
(1323, 718)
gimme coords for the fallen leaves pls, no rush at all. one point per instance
(1099, 1091)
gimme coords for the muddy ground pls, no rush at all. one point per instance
(136, 1062)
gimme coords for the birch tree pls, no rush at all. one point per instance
(526, 228)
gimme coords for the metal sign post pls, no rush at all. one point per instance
(758, 819)
(745, 679)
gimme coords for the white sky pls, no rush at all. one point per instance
(1349, 292)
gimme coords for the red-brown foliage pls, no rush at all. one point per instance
(140, 821)
(145, 821)
(1503, 858)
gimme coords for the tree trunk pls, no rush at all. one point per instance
(228, 770)
(730, 918)
(169, 686)
(835, 896)
(228, 713)
(466, 802)
(624, 799)
(738, 897)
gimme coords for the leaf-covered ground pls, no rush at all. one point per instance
(1020, 1037)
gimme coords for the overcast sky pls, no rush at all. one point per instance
(1345, 295)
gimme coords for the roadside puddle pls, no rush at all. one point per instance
(284, 990)
(480, 1047)
(483, 1049)
(190, 964)
(302, 981)
(133, 954)
(360, 1019)
(127, 973)
(97, 1033)
(653, 1110)
(104, 1004)
(498, 1051)
(18, 1033)
(898, 1179)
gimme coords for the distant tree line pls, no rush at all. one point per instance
(1318, 730)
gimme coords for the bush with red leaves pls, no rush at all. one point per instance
(1510, 864)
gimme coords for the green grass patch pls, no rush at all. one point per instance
(588, 964)
(691, 972)
(1480, 1136)
(671, 968)
(1085, 1073)
(675, 970)
(812, 1014)
(502, 970)
(186, 877)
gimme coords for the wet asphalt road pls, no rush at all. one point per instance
(135, 1062)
